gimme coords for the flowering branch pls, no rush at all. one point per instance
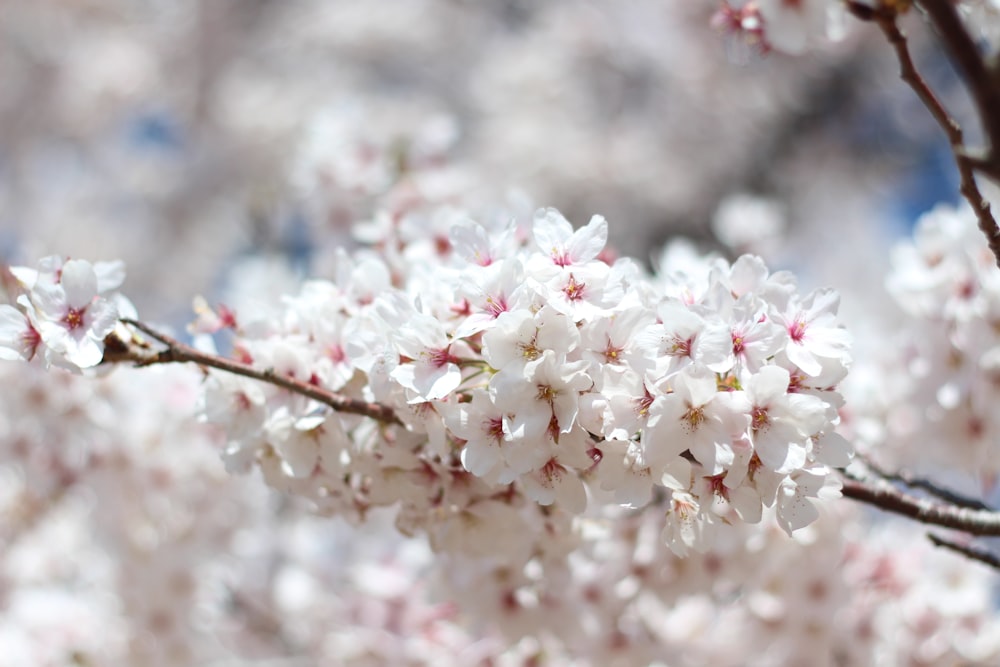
(175, 351)
(982, 84)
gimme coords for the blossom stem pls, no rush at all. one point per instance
(177, 352)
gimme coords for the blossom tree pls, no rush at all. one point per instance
(479, 434)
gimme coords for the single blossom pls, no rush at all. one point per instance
(73, 319)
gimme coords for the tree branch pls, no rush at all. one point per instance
(981, 77)
(914, 482)
(881, 494)
(117, 350)
(982, 85)
(975, 553)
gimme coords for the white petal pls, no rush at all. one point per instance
(79, 281)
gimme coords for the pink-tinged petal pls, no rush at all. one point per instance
(79, 281)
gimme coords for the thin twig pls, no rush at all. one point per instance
(975, 553)
(982, 86)
(881, 494)
(914, 482)
(177, 352)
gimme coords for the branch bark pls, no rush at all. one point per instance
(881, 494)
(967, 550)
(174, 351)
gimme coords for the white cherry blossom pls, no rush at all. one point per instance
(781, 423)
(72, 318)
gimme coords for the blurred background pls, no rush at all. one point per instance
(184, 135)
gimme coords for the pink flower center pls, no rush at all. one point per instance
(611, 353)
(693, 418)
(552, 471)
(31, 339)
(681, 348)
(496, 306)
(443, 357)
(759, 419)
(797, 330)
(74, 318)
(574, 290)
(738, 344)
(644, 403)
(718, 486)
(494, 429)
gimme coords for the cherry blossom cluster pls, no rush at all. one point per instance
(518, 361)
(524, 361)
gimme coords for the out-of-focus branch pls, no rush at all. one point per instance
(982, 84)
(117, 350)
(881, 494)
(973, 552)
(914, 482)
(981, 77)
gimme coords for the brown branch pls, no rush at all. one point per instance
(981, 77)
(914, 482)
(973, 552)
(117, 350)
(884, 496)
(982, 86)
